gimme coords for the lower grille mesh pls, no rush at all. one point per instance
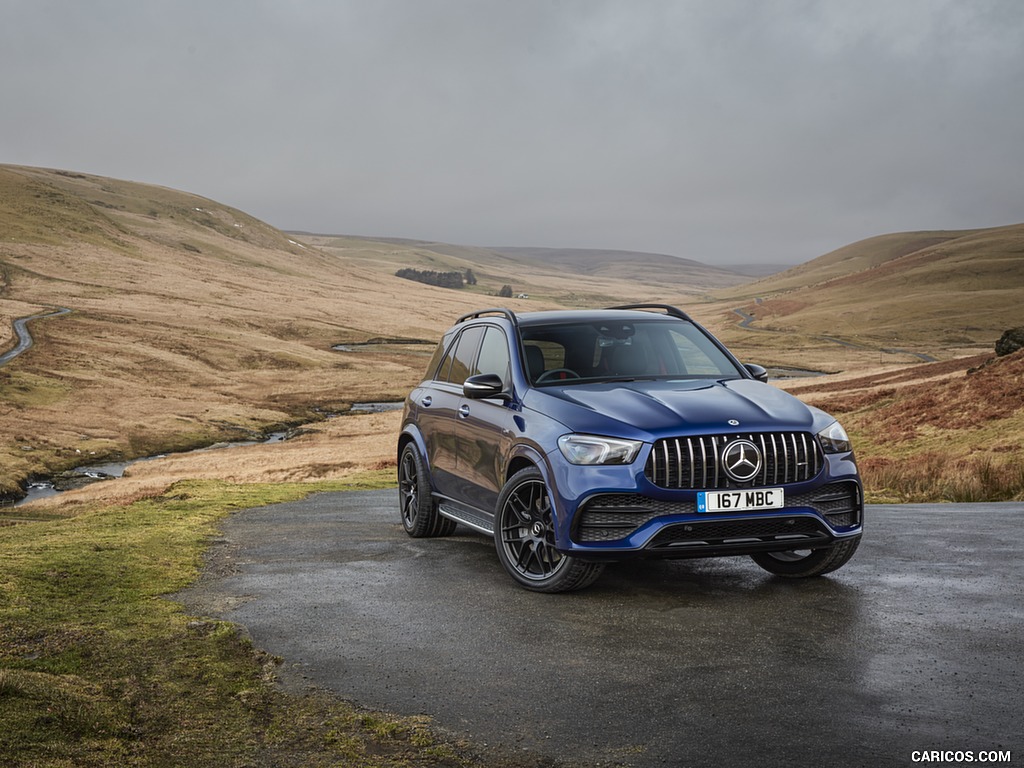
(725, 532)
(614, 516)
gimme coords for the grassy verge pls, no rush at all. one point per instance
(98, 669)
(935, 477)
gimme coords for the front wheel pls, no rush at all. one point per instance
(524, 535)
(802, 563)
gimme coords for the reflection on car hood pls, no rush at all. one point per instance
(652, 409)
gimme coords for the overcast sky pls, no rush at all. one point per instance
(716, 130)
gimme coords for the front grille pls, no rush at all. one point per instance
(695, 462)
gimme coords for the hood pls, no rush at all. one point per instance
(648, 410)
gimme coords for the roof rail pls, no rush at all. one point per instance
(667, 308)
(493, 310)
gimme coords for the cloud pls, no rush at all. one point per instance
(721, 131)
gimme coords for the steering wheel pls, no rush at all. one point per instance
(548, 374)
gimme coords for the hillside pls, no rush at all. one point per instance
(191, 322)
(566, 276)
(948, 431)
(932, 292)
(649, 268)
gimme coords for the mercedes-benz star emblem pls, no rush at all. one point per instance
(742, 460)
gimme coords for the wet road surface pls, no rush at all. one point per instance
(917, 644)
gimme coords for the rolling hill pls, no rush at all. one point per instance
(647, 268)
(566, 276)
(938, 292)
(192, 322)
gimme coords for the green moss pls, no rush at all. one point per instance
(29, 390)
(98, 669)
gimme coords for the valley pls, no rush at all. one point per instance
(194, 323)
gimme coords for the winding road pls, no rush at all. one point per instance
(747, 320)
(24, 338)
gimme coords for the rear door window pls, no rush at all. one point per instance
(464, 355)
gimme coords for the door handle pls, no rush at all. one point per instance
(464, 411)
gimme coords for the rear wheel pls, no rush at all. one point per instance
(524, 535)
(802, 563)
(418, 509)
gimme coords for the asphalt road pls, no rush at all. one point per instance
(917, 644)
(22, 335)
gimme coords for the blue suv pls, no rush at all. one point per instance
(576, 438)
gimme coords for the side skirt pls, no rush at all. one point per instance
(469, 517)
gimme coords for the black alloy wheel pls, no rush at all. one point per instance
(417, 507)
(524, 535)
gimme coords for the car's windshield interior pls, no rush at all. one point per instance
(618, 350)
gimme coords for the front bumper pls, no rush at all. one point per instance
(643, 520)
(629, 524)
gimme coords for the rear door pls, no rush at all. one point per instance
(439, 404)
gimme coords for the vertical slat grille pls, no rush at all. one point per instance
(695, 462)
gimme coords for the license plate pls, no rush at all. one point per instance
(741, 501)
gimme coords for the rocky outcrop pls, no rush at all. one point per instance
(1010, 341)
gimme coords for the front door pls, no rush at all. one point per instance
(483, 428)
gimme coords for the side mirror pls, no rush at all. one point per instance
(483, 386)
(759, 372)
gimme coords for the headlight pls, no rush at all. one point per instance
(588, 449)
(834, 439)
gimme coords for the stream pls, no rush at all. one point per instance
(80, 476)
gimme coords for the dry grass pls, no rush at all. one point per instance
(195, 323)
(925, 291)
(940, 477)
(192, 323)
(951, 431)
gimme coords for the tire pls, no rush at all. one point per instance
(524, 536)
(416, 504)
(801, 564)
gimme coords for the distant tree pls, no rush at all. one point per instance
(470, 277)
(430, 277)
(505, 292)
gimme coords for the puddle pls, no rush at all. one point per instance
(355, 346)
(375, 407)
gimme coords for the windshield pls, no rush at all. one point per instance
(619, 350)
